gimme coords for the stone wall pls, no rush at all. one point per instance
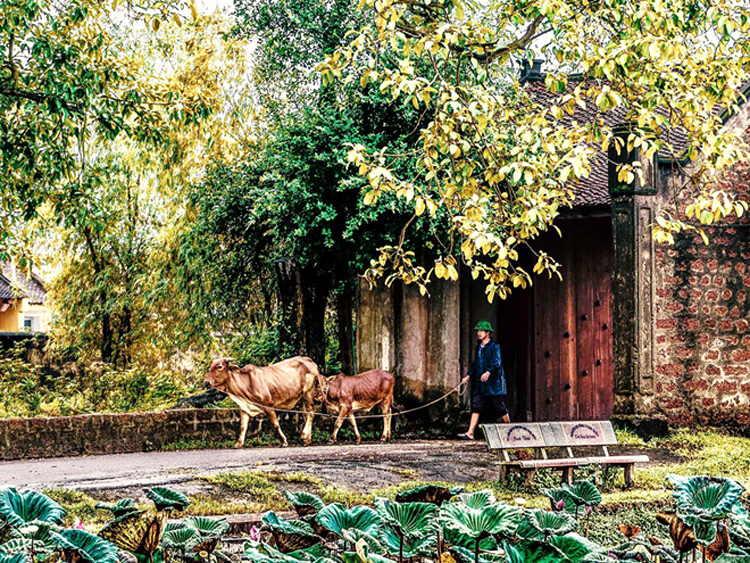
(22, 438)
(702, 298)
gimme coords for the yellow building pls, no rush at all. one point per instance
(22, 302)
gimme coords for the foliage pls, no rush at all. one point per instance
(501, 163)
(87, 547)
(27, 391)
(167, 499)
(572, 498)
(21, 508)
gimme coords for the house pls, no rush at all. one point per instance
(634, 329)
(22, 301)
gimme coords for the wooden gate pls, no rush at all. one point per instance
(572, 367)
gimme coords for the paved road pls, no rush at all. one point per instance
(355, 466)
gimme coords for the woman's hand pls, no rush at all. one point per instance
(485, 376)
(465, 380)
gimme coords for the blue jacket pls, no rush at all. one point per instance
(488, 358)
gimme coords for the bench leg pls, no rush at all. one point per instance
(503, 476)
(528, 476)
(629, 475)
(567, 475)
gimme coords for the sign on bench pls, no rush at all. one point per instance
(558, 436)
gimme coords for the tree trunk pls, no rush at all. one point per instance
(346, 334)
(290, 304)
(315, 291)
(106, 348)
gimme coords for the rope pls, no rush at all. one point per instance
(328, 415)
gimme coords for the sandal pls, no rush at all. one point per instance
(464, 436)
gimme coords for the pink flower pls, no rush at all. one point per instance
(589, 509)
(79, 525)
(254, 533)
(560, 504)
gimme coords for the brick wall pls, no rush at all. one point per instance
(702, 299)
(22, 438)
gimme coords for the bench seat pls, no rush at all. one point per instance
(559, 436)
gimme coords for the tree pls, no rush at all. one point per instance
(497, 161)
(113, 296)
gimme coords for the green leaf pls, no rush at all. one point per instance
(120, 508)
(539, 552)
(337, 518)
(542, 524)
(479, 523)
(575, 547)
(184, 539)
(434, 494)
(17, 509)
(167, 499)
(478, 499)
(289, 535)
(90, 548)
(410, 519)
(207, 528)
(305, 503)
(707, 498)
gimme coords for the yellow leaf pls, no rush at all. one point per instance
(419, 206)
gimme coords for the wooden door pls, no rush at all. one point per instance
(573, 372)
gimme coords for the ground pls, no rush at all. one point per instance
(243, 484)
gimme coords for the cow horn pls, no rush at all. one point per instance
(228, 360)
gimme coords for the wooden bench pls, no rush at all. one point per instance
(553, 443)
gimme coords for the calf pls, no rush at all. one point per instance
(347, 394)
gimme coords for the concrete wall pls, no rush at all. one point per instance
(416, 338)
(9, 317)
(22, 438)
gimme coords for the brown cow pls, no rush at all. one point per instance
(260, 390)
(347, 394)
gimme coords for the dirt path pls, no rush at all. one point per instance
(348, 466)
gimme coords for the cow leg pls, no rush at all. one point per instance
(309, 415)
(385, 409)
(244, 420)
(354, 425)
(343, 414)
(275, 423)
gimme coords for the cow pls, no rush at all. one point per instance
(260, 390)
(346, 394)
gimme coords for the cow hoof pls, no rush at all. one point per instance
(237, 446)
(331, 442)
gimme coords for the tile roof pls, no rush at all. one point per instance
(14, 283)
(593, 190)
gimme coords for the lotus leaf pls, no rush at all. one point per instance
(18, 509)
(167, 499)
(730, 558)
(575, 547)
(120, 508)
(44, 549)
(90, 548)
(304, 503)
(136, 532)
(528, 551)
(463, 555)
(708, 498)
(542, 524)
(289, 535)
(207, 527)
(582, 493)
(409, 519)
(19, 558)
(478, 499)
(263, 553)
(479, 523)
(355, 536)
(183, 539)
(406, 546)
(337, 518)
(434, 494)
